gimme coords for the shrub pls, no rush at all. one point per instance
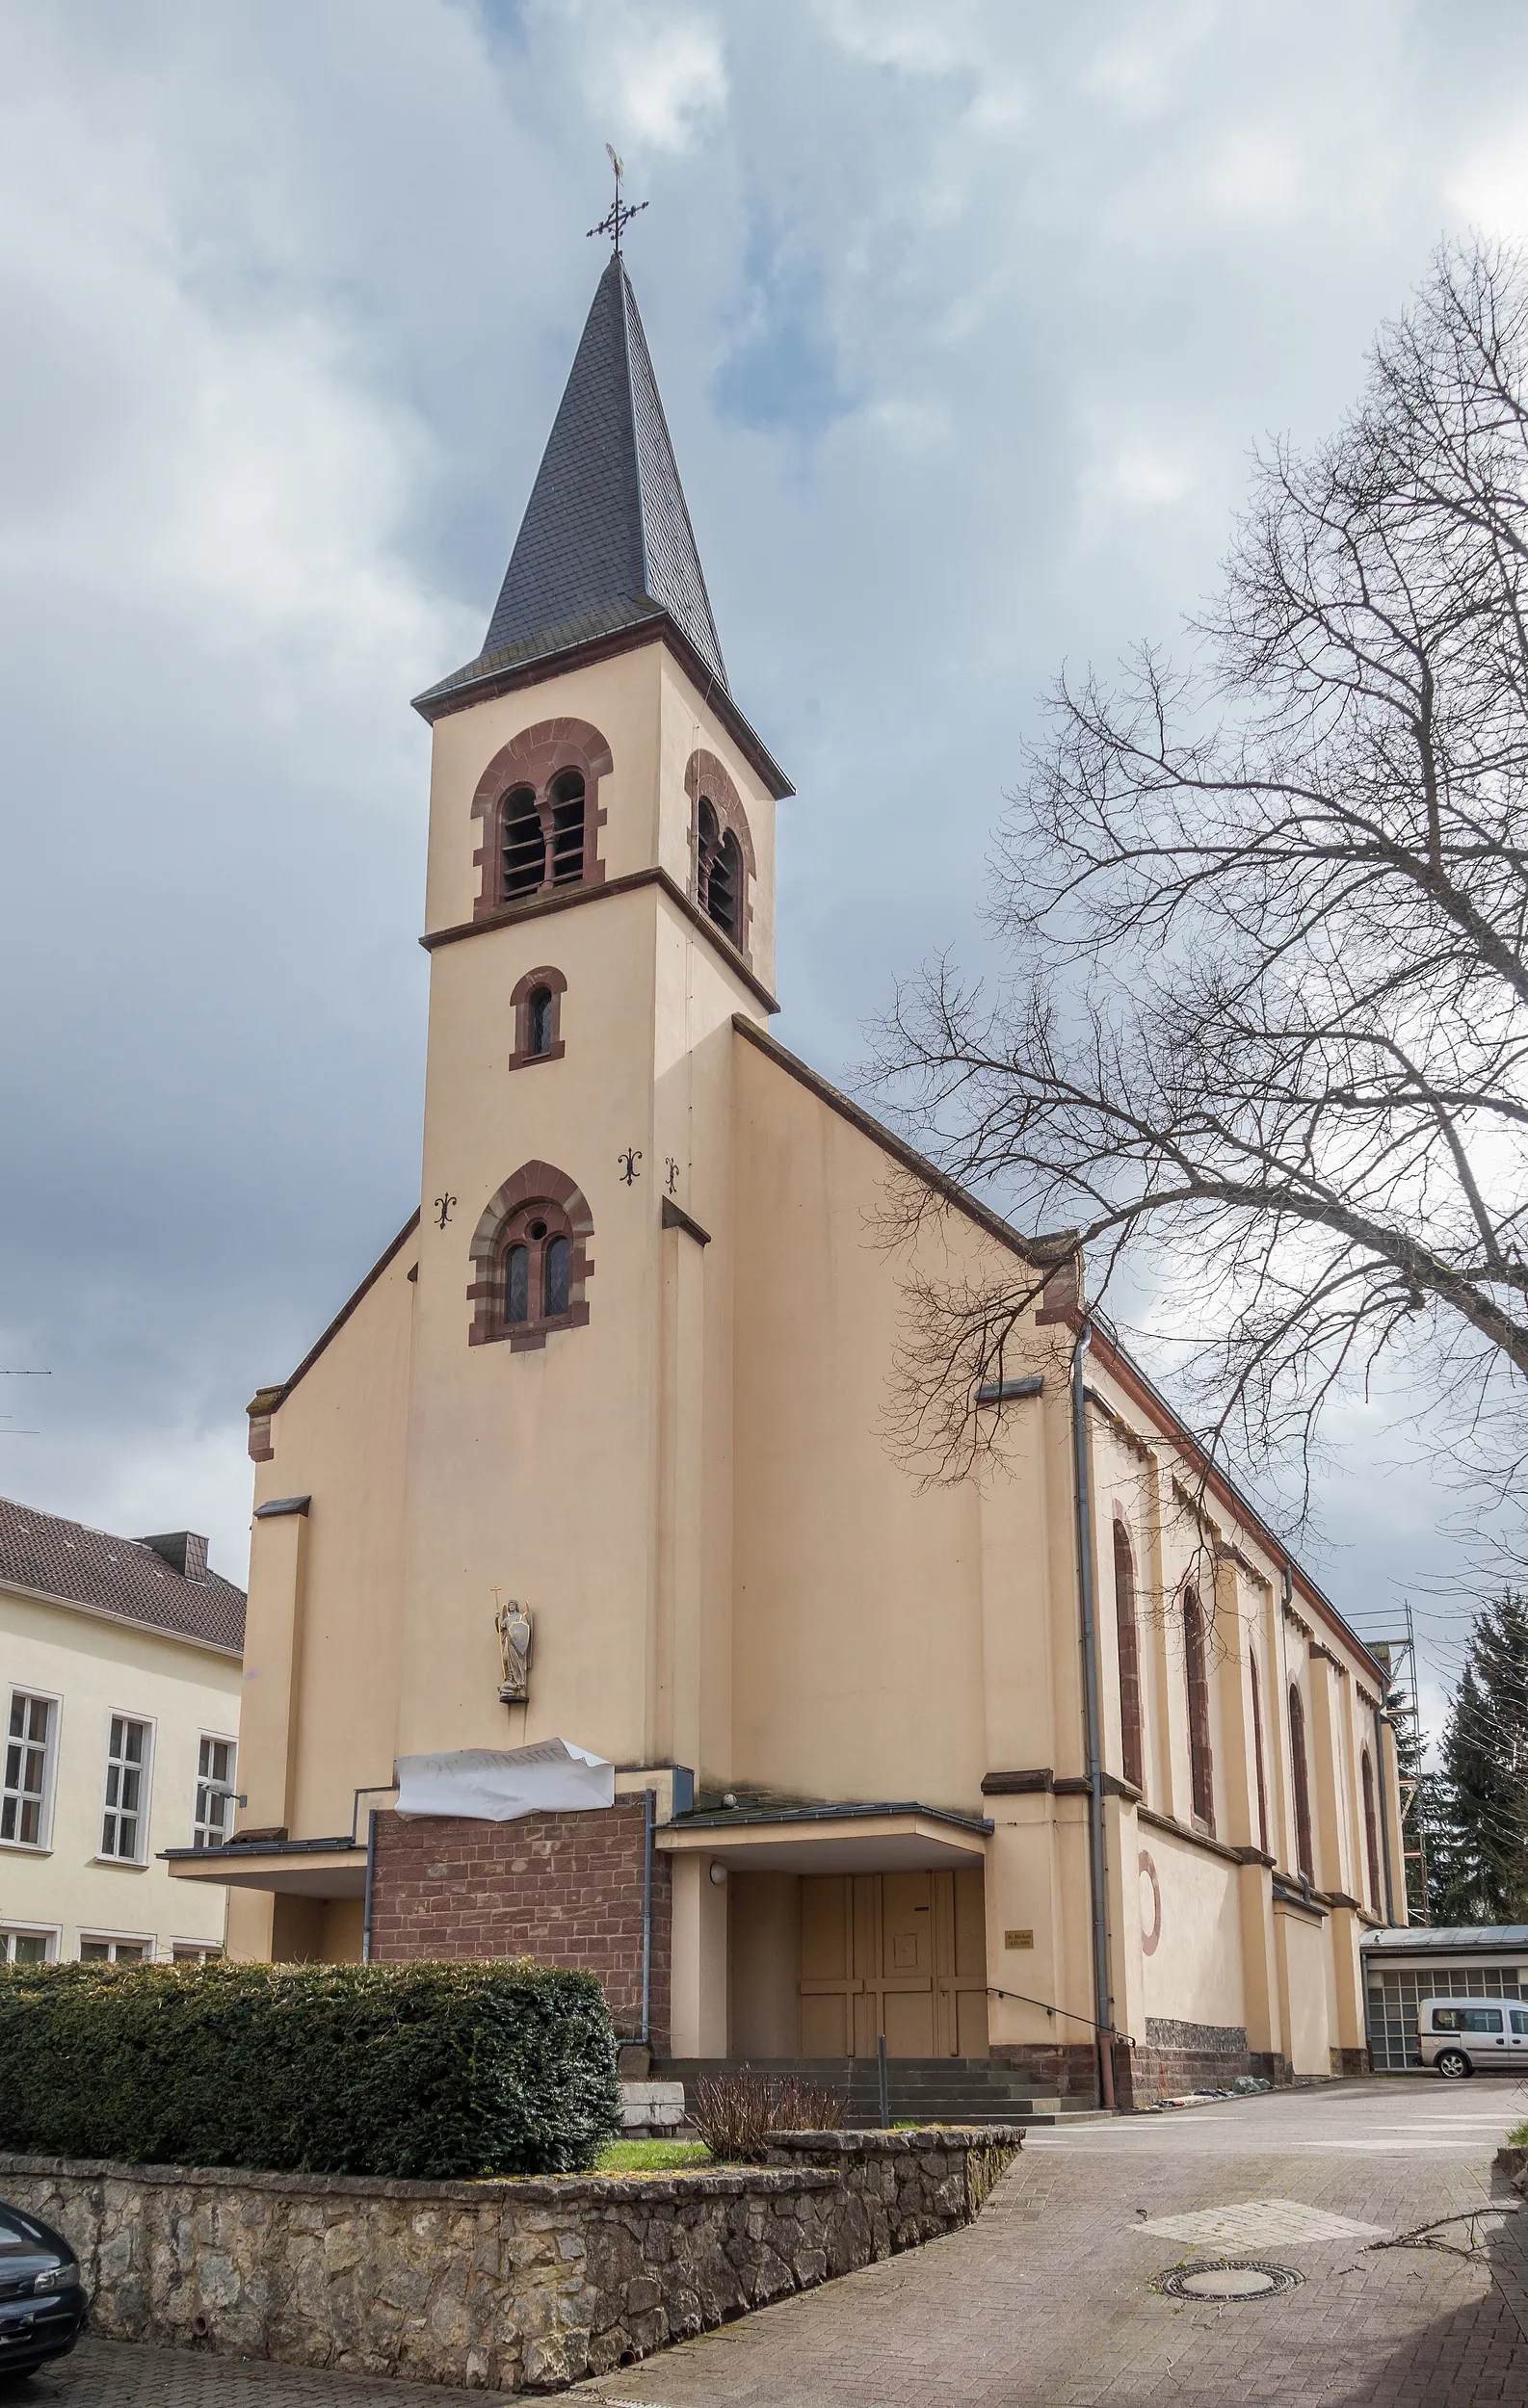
(735, 2113)
(426, 2071)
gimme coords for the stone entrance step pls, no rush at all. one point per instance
(933, 2091)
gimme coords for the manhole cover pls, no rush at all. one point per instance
(1227, 2278)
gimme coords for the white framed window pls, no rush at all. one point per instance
(125, 1817)
(213, 1819)
(29, 1944)
(31, 1748)
(196, 1953)
(103, 1948)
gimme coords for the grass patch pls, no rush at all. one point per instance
(655, 2157)
(1517, 2138)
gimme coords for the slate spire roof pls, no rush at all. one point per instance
(606, 541)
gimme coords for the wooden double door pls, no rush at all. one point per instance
(903, 1953)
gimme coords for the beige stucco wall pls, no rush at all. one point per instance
(1194, 1973)
(97, 1666)
(699, 1495)
(321, 1649)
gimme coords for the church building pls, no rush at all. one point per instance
(1063, 1779)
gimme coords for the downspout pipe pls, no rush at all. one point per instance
(371, 1863)
(1103, 2005)
(1382, 1779)
(645, 2036)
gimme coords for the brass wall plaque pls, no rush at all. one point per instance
(1019, 1939)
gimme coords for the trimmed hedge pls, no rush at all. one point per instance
(424, 2071)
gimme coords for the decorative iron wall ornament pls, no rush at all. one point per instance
(628, 1158)
(443, 1204)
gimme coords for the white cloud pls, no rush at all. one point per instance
(289, 295)
(660, 77)
(1491, 190)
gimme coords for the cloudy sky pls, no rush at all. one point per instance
(965, 315)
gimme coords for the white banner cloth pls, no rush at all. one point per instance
(496, 1785)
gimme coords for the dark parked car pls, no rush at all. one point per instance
(42, 2302)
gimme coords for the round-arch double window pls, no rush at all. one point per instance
(538, 1272)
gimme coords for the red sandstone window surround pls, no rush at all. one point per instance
(1303, 1855)
(538, 802)
(1201, 1763)
(721, 850)
(537, 1003)
(1129, 1646)
(530, 1257)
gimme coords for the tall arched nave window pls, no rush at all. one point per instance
(1202, 1762)
(1129, 1650)
(1304, 1855)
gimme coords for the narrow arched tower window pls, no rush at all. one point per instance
(538, 1021)
(1371, 1837)
(1129, 1647)
(517, 1285)
(1304, 1854)
(524, 845)
(1201, 1763)
(559, 1260)
(568, 828)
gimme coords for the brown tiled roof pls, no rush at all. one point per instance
(121, 1577)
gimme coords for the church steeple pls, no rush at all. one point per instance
(606, 541)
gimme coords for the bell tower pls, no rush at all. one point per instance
(599, 907)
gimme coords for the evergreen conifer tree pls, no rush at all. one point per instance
(1479, 1831)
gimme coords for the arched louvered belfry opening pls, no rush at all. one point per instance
(538, 802)
(522, 844)
(725, 894)
(1304, 1854)
(1202, 1762)
(723, 847)
(1129, 1641)
(567, 799)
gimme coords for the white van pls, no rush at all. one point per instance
(1461, 2036)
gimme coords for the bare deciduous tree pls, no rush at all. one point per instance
(1266, 1023)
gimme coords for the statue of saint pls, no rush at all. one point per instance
(513, 1622)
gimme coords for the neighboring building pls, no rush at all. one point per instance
(630, 1363)
(120, 1673)
(1469, 1961)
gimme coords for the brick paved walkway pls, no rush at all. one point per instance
(1046, 2302)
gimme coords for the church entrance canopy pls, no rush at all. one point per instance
(835, 1839)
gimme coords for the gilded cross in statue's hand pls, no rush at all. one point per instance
(620, 213)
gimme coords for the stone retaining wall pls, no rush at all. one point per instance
(510, 2286)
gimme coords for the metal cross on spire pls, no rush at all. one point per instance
(619, 216)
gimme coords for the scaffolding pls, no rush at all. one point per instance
(1404, 1712)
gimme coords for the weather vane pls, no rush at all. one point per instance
(619, 216)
